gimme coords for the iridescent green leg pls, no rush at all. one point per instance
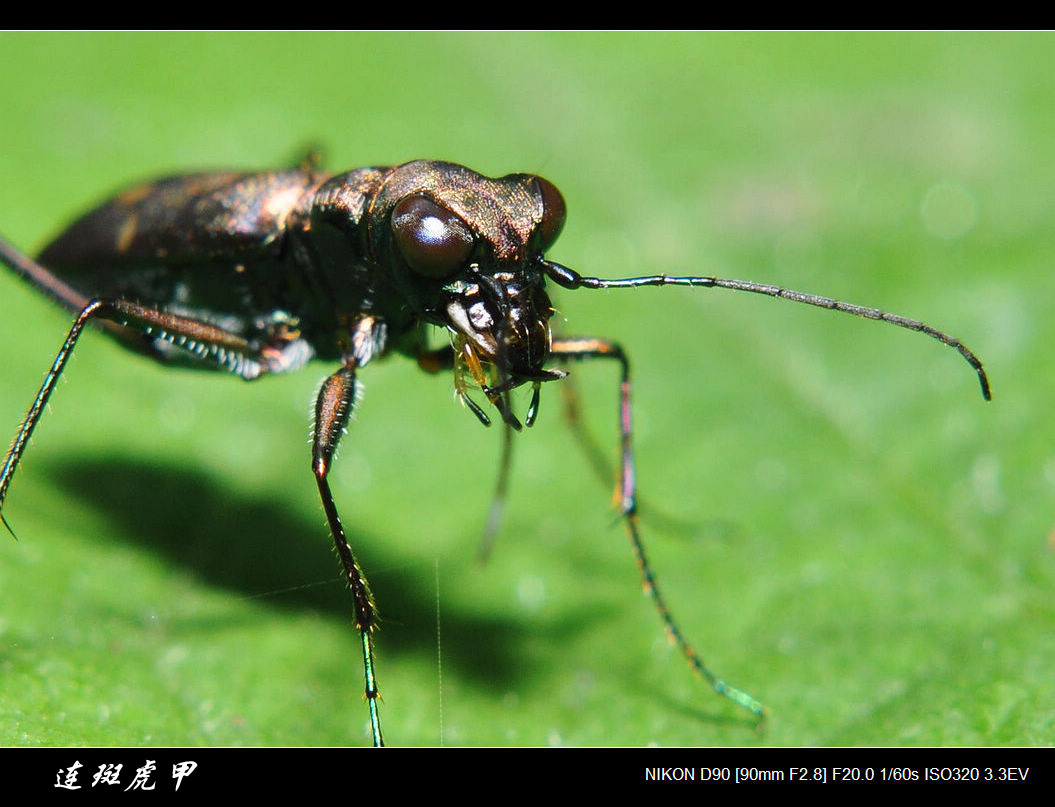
(332, 410)
(211, 344)
(589, 348)
(29, 422)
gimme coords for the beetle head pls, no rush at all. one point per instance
(468, 253)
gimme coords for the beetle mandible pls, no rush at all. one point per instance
(258, 273)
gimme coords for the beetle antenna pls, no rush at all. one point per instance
(570, 279)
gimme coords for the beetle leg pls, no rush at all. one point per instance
(42, 278)
(29, 422)
(436, 361)
(208, 341)
(54, 287)
(166, 336)
(588, 348)
(579, 349)
(572, 398)
(333, 407)
(599, 464)
(496, 512)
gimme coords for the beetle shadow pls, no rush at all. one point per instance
(251, 545)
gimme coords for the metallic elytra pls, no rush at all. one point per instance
(259, 273)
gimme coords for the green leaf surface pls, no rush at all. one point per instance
(840, 524)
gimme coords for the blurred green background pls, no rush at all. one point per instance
(840, 523)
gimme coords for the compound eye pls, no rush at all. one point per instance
(433, 241)
(553, 211)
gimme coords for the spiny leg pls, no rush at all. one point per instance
(332, 410)
(29, 422)
(570, 279)
(589, 348)
(40, 277)
(209, 342)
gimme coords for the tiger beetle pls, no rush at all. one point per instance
(258, 273)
